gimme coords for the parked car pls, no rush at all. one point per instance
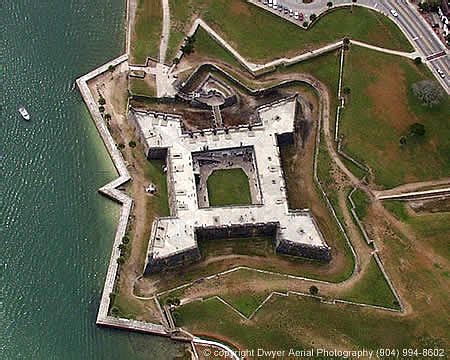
(441, 73)
(301, 16)
(291, 12)
(394, 13)
(296, 17)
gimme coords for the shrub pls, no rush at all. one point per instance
(115, 311)
(188, 46)
(418, 60)
(417, 129)
(346, 90)
(313, 290)
(429, 92)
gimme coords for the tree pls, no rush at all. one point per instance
(102, 100)
(107, 116)
(346, 90)
(418, 60)
(429, 92)
(417, 129)
(188, 46)
(132, 144)
(126, 239)
(312, 17)
(115, 311)
(329, 4)
(305, 24)
(120, 260)
(101, 108)
(313, 290)
(402, 140)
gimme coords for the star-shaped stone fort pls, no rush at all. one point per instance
(192, 156)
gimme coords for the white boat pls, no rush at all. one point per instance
(24, 113)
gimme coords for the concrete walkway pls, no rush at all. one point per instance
(411, 55)
(165, 34)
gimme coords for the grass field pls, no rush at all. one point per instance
(160, 202)
(228, 187)
(146, 33)
(208, 49)
(379, 110)
(259, 35)
(372, 289)
(142, 87)
(329, 324)
(432, 229)
(361, 201)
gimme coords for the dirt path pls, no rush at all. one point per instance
(165, 34)
(131, 14)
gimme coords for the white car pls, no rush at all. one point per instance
(394, 13)
(441, 73)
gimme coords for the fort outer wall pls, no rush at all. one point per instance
(249, 230)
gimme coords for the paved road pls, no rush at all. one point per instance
(410, 22)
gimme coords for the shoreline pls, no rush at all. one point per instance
(110, 190)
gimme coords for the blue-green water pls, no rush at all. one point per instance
(56, 231)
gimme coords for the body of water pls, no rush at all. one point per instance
(56, 231)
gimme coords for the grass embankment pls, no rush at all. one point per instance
(228, 187)
(432, 229)
(207, 48)
(155, 172)
(380, 109)
(143, 87)
(361, 201)
(311, 317)
(260, 36)
(372, 289)
(145, 35)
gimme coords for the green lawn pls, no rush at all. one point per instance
(361, 201)
(207, 48)
(433, 229)
(146, 33)
(228, 187)
(246, 303)
(379, 110)
(371, 289)
(283, 322)
(259, 35)
(141, 87)
(154, 172)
